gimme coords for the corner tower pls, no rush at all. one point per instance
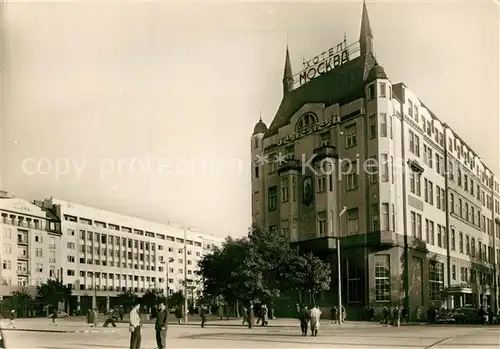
(257, 165)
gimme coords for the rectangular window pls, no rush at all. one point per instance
(322, 223)
(385, 216)
(383, 125)
(382, 90)
(384, 163)
(417, 146)
(431, 193)
(436, 281)
(284, 189)
(382, 278)
(453, 240)
(439, 236)
(393, 214)
(413, 223)
(410, 109)
(272, 198)
(321, 184)
(450, 170)
(256, 198)
(454, 272)
(375, 217)
(373, 127)
(461, 242)
(438, 197)
(353, 221)
(389, 126)
(350, 136)
(467, 245)
(354, 286)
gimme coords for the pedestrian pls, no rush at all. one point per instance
(111, 319)
(178, 314)
(96, 313)
(404, 315)
(203, 315)
(304, 319)
(264, 315)
(12, 317)
(335, 315)
(396, 320)
(250, 315)
(385, 316)
(161, 326)
(54, 317)
(135, 327)
(245, 318)
(314, 317)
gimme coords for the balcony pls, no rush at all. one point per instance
(23, 272)
(52, 247)
(287, 165)
(22, 256)
(325, 151)
(22, 240)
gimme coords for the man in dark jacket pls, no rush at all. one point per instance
(161, 326)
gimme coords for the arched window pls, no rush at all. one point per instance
(306, 121)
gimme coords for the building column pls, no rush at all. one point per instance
(78, 304)
(107, 304)
(94, 301)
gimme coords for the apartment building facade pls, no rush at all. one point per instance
(106, 253)
(352, 155)
(97, 253)
(31, 241)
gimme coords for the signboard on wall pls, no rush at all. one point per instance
(325, 61)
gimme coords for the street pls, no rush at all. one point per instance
(222, 334)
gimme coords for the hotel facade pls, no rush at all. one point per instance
(97, 253)
(352, 155)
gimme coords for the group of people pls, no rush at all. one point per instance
(309, 316)
(136, 331)
(260, 311)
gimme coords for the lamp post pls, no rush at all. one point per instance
(339, 269)
(166, 262)
(185, 277)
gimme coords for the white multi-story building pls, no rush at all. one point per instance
(30, 240)
(105, 253)
(352, 156)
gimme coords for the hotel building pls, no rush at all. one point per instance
(421, 222)
(100, 254)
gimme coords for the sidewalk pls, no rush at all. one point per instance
(63, 326)
(79, 324)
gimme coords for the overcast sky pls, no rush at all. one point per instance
(105, 87)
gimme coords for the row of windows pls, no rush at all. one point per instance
(28, 222)
(469, 160)
(431, 160)
(111, 226)
(469, 213)
(468, 247)
(467, 183)
(385, 122)
(469, 275)
(435, 234)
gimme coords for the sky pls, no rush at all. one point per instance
(147, 109)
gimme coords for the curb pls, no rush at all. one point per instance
(56, 331)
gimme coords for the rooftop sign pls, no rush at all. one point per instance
(324, 62)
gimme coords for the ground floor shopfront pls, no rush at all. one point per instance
(373, 270)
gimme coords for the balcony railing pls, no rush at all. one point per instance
(22, 240)
(52, 247)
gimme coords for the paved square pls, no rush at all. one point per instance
(229, 335)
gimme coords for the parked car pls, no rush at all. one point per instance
(446, 317)
(467, 316)
(59, 314)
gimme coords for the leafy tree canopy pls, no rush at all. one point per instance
(260, 265)
(53, 291)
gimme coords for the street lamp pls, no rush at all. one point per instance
(185, 277)
(169, 260)
(339, 270)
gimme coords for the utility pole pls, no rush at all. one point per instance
(185, 279)
(339, 269)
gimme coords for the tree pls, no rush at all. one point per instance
(53, 292)
(21, 301)
(175, 300)
(260, 266)
(314, 275)
(127, 300)
(151, 299)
